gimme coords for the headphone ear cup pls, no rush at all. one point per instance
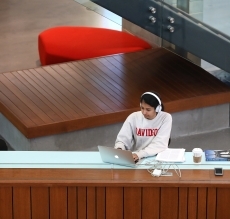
(158, 109)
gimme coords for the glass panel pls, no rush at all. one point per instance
(92, 160)
(216, 14)
(195, 17)
(212, 15)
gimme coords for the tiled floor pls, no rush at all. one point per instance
(22, 21)
(212, 140)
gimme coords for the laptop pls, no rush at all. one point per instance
(116, 156)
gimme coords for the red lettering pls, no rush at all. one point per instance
(155, 131)
(146, 132)
(142, 132)
(138, 131)
(150, 132)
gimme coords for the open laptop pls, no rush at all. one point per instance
(116, 156)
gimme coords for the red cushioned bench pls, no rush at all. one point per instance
(63, 44)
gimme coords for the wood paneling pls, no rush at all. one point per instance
(192, 203)
(82, 202)
(169, 203)
(58, 203)
(114, 202)
(151, 202)
(91, 203)
(100, 203)
(132, 200)
(72, 202)
(134, 196)
(40, 202)
(6, 204)
(183, 203)
(211, 203)
(222, 203)
(21, 203)
(202, 203)
(88, 93)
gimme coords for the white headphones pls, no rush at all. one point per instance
(158, 108)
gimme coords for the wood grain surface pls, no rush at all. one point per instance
(88, 93)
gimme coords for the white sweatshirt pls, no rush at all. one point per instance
(143, 136)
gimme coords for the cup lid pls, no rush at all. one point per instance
(197, 150)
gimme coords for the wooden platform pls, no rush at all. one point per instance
(83, 94)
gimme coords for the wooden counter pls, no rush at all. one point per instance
(112, 193)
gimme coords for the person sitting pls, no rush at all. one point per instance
(146, 132)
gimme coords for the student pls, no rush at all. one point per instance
(146, 132)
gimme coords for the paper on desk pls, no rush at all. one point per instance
(171, 155)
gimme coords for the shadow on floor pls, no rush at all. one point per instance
(3, 145)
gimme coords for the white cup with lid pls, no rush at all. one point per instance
(197, 155)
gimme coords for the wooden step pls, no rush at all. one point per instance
(94, 92)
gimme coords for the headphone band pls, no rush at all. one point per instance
(153, 95)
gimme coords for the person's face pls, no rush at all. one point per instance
(148, 111)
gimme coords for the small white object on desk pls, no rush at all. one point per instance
(156, 172)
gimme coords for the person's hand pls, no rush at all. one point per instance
(135, 158)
